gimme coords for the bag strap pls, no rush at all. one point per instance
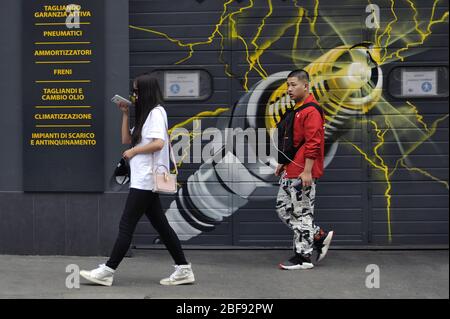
(301, 108)
(304, 106)
(171, 154)
(315, 105)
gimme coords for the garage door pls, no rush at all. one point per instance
(386, 179)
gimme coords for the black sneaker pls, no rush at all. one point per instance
(322, 243)
(297, 262)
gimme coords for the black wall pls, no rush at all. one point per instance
(58, 223)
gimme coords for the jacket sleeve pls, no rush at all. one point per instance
(313, 126)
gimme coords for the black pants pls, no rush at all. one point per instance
(141, 202)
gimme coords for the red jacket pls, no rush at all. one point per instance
(308, 127)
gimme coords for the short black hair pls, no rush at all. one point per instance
(299, 74)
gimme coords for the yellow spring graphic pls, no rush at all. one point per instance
(346, 82)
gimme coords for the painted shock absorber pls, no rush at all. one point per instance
(346, 81)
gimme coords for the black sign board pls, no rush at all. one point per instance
(63, 95)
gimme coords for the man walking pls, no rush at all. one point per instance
(295, 200)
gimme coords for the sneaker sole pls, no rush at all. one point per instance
(326, 245)
(304, 266)
(180, 282)
(94, 280)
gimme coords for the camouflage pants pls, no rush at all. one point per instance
(295, 207)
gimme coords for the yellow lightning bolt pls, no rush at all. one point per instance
(423, 137)
(383, 167)
(235, 35)
(192, 134)
(198, 116)
(301, 12)
(423, 172)
(419, 118)
(255, 56)
(377, 23)
(191, 45)
(423, 35)
(266, 45)
(312, 24)
(252, 59)
(227, 67)
(430, 133)
(388, 31)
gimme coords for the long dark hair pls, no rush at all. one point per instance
(148, 96)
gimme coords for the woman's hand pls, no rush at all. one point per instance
(129, 154)
(123, 107)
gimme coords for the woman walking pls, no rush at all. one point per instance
(150, 148)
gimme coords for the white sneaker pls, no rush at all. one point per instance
(183, 275)
(103, 275)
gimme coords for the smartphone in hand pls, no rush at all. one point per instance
(117, 99)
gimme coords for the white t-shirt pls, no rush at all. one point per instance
(141, 165)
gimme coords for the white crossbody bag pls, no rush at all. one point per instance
(165, 183)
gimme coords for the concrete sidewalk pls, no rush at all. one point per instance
(236, 274)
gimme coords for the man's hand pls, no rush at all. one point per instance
(129, 154)
(306, 178)
(280, 168)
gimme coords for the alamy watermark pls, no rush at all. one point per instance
(73, 279)
(373, 279)
(73, 17)
(250, 145)
(373, 19)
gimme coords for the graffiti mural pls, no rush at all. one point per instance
(346, 56)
